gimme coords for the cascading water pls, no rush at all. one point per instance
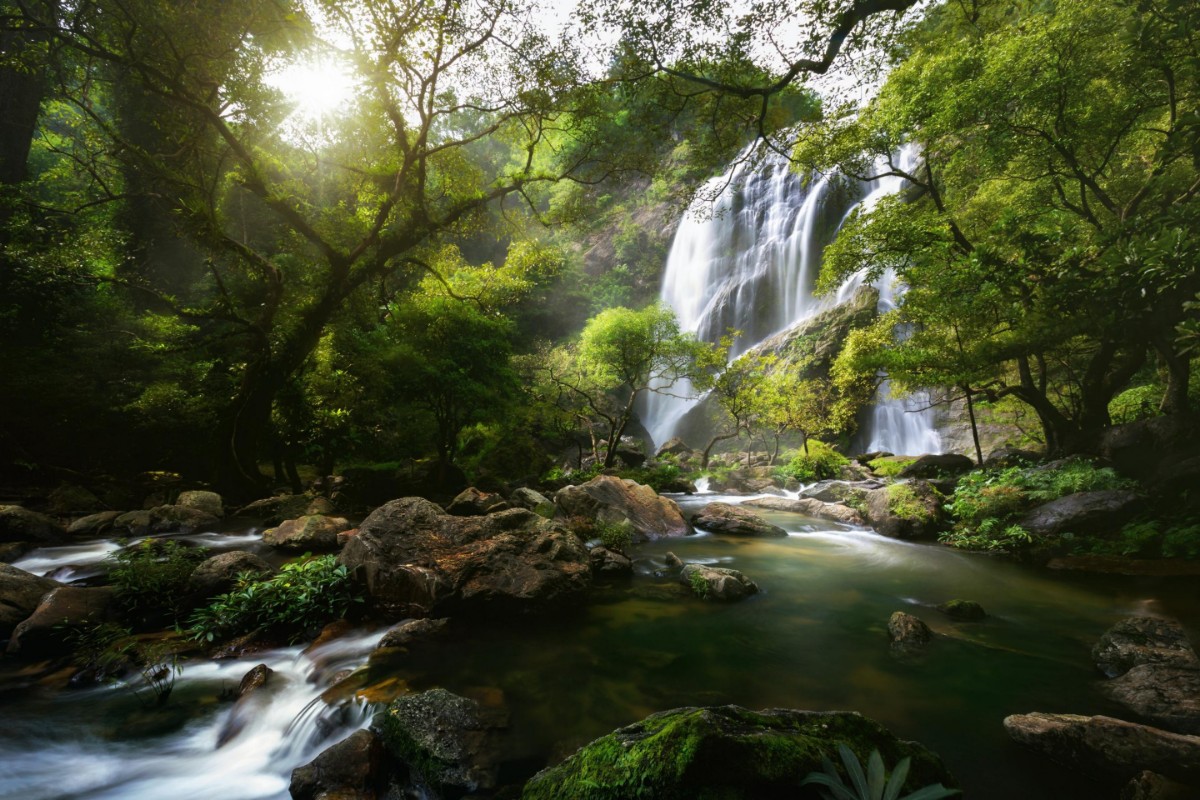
(751, 266)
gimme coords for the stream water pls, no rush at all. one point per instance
(814, 638)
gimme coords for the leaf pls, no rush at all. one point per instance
(854, 770)
(932, 792)
(875, 776)
(899, 775)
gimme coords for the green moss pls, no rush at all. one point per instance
(889, 466)
(904, 502)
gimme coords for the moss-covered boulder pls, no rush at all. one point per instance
(726, 752)
(909, 510)
(963, 610)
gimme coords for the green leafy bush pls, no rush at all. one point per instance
(150, 578)
(1141, 539)
(1138, 402)
(616, 536)
(821, 462)
(905, 504)
(661, 477)
(302, 595)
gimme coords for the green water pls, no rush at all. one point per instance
(815, 638)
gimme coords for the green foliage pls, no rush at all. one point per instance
(904, 502)
(1136, 402)
(107, 651)
(819, 463)
(698, 585)
(303, 595)
(989, 536)
(1142, 539)
(889, 467)
(150, 578)
(871, 785)
(661, 477)
(616, 536)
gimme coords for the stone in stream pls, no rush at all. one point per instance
(717, 583)
(315, 533)
(48, 630)
(963, 610)
(1152, 786)
(1167, 696)
(181, 519)
(735, 521)
(613, 501)
(412, 631)
(208, 502)
(809, 507)
(728, 752)
(608, 563)
(19, 524)
(219, 574)
(20, 594)
(908, 633)
(93, 525)
(353, 769)
(910, 510)
(274, 510)
(1143, 640)
(251, 700)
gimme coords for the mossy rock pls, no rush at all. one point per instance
(963, 610)
(725, 753)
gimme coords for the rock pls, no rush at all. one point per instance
(275, 510)
(810, 507)
(208, 502)
(1152, 786)
(250, 702)
(181, 519)
(532, 500)
(609, 563)
(937, 466)
(448, 740)
(352, 769)
(20, 594)
(11, 551)
(1143, 640)
(471, 502)
(735, 521)
(412, 631)
(717, 583)
(315, 533)
(219, 574)
(255, 679)
(727, 752)
(1165, 695)
(906, 631)
(1083, 513)
(93, 525)
(71, 500)
(673, 561)
(1107, 746)
(609, 500)
(911, 510)
(1009, 457)
(837, 491)
(136, 522)
(963, 610)
(630, 455)
(1120, 565)
(63, 610)
(416, 560)
(674, 447)
(19, 524)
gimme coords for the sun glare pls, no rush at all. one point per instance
(315, 88)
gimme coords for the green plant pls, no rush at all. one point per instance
(818, 463)
(615, 536)
(874, 784)
(905, 503)
(660, 477)
(698, 585)
(302, 595)
(150, 578)
(991, 536)
(889, 467)
(108, 651)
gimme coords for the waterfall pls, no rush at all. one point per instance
(750, 265)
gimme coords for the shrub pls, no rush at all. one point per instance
(819, 463)
(302, 595)
(903, 501)
(990, 536)
(150, 578)
(616, 536)
(1138, 402)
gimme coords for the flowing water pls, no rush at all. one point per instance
(815, 638)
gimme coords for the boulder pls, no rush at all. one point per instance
(255, 679)
(471, 502)
(611, 501)
(219, 574)
(1152, 786)
(938, 466)
(673, 561)
(71, 500)
(1107, 746)
(908, 632)
(963, 610)
(609, 563)
(181, 519)
(674, 446)
(810, 507)
(727, 752)
(416, 560)
(274, 510)
(717, 583)
(48, 630)
(19, 524)
(911, 510)
(1009, 457)
(20, 594)
(1082, 513)
(136, 522)
(1143, 640)
(208, 502)
(535, 501)
(315, 533)
(253, 696)
(838, 491)
(736, 521)
(93, 525)
(352, 769)
(447, 740)
(1165, 695)
(412, 631)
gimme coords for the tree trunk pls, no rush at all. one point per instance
(711, 444)
(22, 89)
(974, 426)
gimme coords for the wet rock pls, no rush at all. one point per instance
(93, 525)
(61, 612)
(536, 502)
(352, 769)
(674, 446)
(1083, 513)
(673, 561)
(19, 524)
(1152, 786)
(274, 510)
(717, 583)
(11, 551)
(315, 533)
(611, 501)
(255, 679)
(911, 510)
(72, 500)
(1108, 746)
(609, 563)
(416, 560)
(181, 519)
(1143, 640)
(1165, 695)
(445, 739)
(838, 491)
(963, 610)
(412, 631)
(219, 574)
(208, 502)
(937, 466)
(907, 632)
(136, 522)
(810, 507)
(471, 502)
(727, 752)
(346, 536)
(20, 594)
(251, 701)
(735, 521)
